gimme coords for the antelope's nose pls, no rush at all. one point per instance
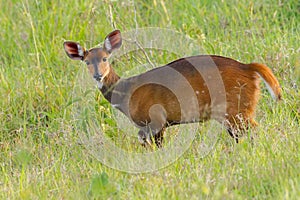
(97, 77)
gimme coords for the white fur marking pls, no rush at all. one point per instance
(107, 44)
(99, 84)
(268, 87)
(80, 51)
(115, 105)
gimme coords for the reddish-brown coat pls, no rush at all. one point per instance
(154, 105)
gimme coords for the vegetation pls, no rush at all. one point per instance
(40, 153)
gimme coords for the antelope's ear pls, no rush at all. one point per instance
(74, 50)
(112, 41)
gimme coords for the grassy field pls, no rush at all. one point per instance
(40, 156)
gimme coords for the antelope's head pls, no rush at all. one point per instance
(96, 59)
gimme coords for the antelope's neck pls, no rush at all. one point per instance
(109, 83)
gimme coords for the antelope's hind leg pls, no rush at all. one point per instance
(236, 129)
(233, 135)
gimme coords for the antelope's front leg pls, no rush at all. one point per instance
(144, 138)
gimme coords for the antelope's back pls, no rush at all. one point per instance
(184, 90)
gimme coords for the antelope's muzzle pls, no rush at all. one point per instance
(97, 77)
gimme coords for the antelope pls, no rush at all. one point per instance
(187, 90)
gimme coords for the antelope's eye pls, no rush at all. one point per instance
(87, 62)
(104, 59)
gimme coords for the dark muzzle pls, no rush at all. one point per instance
(97, 77)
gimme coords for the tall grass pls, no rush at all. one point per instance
(40, 155)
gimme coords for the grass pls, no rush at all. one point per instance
(39, 150)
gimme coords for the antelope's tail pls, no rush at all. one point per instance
(268, 77)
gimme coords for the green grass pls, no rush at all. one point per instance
(40, 155)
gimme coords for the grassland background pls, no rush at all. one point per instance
(40, 157)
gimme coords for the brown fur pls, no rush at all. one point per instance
(153, 106)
